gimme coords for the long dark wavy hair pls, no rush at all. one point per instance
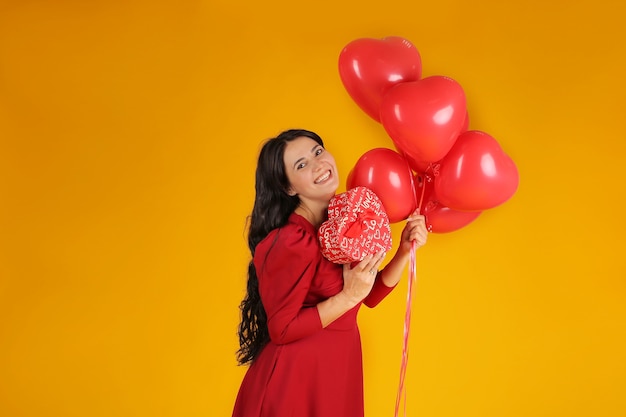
(272, 208)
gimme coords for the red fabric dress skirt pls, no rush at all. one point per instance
(305, 370)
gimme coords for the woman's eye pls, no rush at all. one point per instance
(301, 165)
(319, 151)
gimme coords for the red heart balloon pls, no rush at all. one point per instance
(369, 67)
(389, 176)
(424, 117)
(439, 218)
(426, 167)
(417, 166)
(476, 174)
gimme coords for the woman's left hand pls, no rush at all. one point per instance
(414, 230)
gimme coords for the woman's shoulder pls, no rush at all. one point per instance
(296, 235)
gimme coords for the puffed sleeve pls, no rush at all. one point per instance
(378, 292)
(286, 262)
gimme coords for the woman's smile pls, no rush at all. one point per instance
(324, 177)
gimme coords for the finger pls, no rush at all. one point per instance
(418, 220)
(377, 260)
(413, 235)
(420, 234)
(380, 261)
(364, 264)
(418, 228)
(420, 238)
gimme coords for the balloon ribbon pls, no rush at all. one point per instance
(407, 327)
(407, 316)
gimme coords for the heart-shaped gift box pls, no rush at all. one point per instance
(357, 226)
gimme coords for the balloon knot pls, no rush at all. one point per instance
(435, 169)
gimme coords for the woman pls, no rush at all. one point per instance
(299, 330)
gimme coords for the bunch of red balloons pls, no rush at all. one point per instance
(450, 173)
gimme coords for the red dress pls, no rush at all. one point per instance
(305, 370)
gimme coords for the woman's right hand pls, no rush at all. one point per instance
(358, 281)
(357, 284)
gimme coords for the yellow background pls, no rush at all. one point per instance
(129, 132)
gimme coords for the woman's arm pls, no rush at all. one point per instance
(357, 284)
(358, 281)
(414, 230)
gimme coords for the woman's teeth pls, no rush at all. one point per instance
(322, 178)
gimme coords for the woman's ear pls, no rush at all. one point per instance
(291, 192)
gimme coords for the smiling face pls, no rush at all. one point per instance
(311, 171)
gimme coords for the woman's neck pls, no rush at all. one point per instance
(315, 215)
